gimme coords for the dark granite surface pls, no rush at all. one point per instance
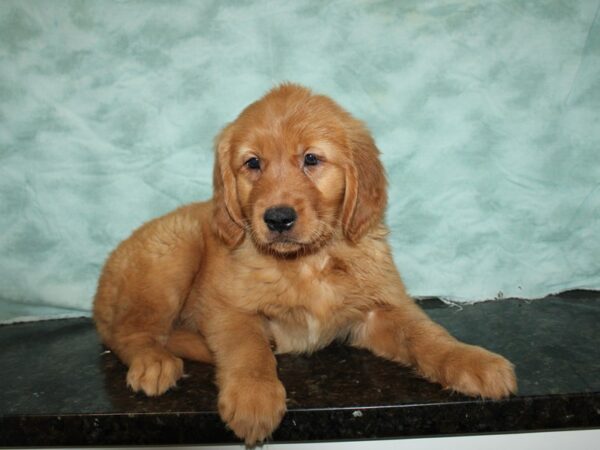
(59, 386)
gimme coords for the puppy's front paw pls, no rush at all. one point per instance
(252, 407)
(475, 371)
(154, 372)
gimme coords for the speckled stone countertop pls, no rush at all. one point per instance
(59, 386)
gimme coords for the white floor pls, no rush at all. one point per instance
(556, 440)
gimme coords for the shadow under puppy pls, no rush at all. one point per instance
(290, 254)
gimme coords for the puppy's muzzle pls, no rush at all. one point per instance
(280, 218)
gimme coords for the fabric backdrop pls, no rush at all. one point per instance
(487, 114)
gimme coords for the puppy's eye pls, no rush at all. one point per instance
(310, 159)
(253, 163)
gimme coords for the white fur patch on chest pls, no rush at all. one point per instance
(298, 337)
(313, 330)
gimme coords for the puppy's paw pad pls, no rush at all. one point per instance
(154, 373)
(252, 408)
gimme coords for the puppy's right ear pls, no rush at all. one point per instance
(227, 216)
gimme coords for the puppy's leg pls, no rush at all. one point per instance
(405, 334)
(251, 397)
(189, 345)
(140, 294)
(140, 334)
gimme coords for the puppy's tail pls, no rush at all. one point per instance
(189, 345)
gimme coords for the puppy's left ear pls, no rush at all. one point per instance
(227, 216)
(365, 197)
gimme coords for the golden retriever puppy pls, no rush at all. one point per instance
(289, 255)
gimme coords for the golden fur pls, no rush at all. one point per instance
(212, 282)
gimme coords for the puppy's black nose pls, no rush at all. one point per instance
(280, 218)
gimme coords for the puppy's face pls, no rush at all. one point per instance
(287, 171)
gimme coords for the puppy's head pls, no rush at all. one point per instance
(294, 171)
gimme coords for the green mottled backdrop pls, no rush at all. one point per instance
(487, 114)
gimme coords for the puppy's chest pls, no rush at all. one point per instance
(314, 284)
(300, 302)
